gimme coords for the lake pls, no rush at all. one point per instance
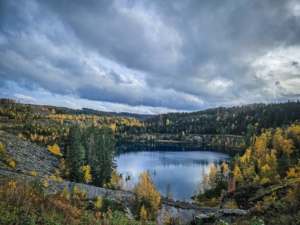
(178, 165)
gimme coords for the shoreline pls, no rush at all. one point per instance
(182, 142)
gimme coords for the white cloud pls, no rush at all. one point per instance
(25, 98)
(279, 72)
(149, 56)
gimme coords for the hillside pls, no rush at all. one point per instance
(47, 125)
(238, 120)
(232, 126)
(28, 157)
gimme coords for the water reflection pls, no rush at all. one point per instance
(178, 165)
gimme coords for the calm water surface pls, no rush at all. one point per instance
(176, 164)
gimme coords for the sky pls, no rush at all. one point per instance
(150, 56)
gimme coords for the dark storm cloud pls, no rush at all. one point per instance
(176, 54)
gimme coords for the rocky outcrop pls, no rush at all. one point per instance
(226, 215)
(246, 197)
(28, 157)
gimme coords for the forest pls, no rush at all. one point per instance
(84, 140)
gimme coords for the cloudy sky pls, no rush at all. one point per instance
(150, 56)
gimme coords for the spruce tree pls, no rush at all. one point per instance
(74, 154)
(103, 161)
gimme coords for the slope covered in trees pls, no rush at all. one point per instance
(83, 143)
(267, 176)
(49, 125)
(238, 120)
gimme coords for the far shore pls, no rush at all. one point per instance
(170, 141)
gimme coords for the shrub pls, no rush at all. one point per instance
(54, 149)
(45, 184)
(52, 177)
(2, 149)
(65, 193)
(231, 204)
(98, 203)
(33, 173)
(12, 164)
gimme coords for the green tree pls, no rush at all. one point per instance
(103, 157)
(74, 155)
(284, 164)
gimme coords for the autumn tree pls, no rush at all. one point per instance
(114, 180)
(145, 194)
(2, 149)
(143, 215)
(87, 173)
(54, 149)
(213, 183)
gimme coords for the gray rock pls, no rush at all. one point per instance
(233, 212)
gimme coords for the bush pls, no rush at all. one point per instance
(2, 149)
(33, 173)
(23, 202)
(231, 204)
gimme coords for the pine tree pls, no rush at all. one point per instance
(103, 161)
(284, 164)
(74, 155)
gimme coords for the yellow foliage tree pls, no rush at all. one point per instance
(225, 169)
(2, 149)
(291, 173)
(295, 171)
(212, 174)
(288, 146)
(87, 173)
(238, 176)
(260, 148)
(98, 203)
(271, 161)
(167, 122)
(281, 144)
(114, 180)
(277, 139)
(204, 182)
(145, 194)
(113, 127)
(143, 215)
(54, 149)
(294, 131)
